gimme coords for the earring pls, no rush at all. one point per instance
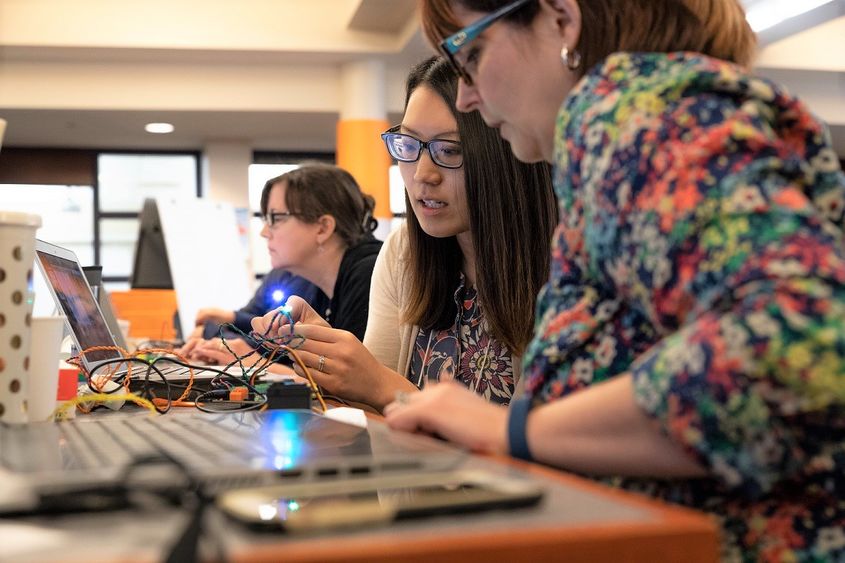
(570, 59)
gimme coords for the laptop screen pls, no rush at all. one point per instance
(74, 297)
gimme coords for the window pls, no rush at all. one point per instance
(258, 176)
(124, 181)
(117, 247)
(89, 200)
(67, 214)
(397, 192)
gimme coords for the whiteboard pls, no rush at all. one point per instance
(208, 262)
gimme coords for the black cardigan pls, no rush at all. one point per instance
(350, 303)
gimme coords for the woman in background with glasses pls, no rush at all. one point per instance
(454, 288)
(318, 225)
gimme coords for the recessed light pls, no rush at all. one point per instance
(159, 128)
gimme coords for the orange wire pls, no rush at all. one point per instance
(100, 383)
(181, 401)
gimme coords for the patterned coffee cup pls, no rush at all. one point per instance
(17, 249)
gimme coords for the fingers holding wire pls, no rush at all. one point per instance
(269, 324)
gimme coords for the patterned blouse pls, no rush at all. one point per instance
(700, 250)
(485, 365)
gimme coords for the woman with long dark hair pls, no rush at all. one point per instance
(454, 288)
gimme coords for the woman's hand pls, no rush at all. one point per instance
(193, 339)
(278, 325)
(347, 369)
(214, 314)
(598, 431)
(451, 411)
(213, 351)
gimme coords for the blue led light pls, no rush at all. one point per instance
(278, 295)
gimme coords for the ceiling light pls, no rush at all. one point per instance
(763, 15)
(159, 128)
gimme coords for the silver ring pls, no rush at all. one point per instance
(321, 363)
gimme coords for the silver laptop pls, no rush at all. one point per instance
(74, 298)
(85, 320)
(95, 459)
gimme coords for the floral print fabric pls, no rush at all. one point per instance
(699, 249)
(485, 365)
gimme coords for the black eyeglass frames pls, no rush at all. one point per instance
(273, 217)
(407, 148)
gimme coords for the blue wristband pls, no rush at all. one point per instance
(517, 421)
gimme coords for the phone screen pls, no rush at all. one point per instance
(277, 507)
(281, 508)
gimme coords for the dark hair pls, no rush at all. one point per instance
(315, 189)
(512, 215)
(716, 28)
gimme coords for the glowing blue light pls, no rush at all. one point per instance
(281, 462)
(278, 295)
(293, 506)
(281, 440)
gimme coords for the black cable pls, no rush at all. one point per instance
(221, 374)
(186, 547)
(120, 379)
(272, 343)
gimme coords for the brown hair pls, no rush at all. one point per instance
(512, 215)
(716, 28)
(315, 189)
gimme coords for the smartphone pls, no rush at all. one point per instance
(370, 501)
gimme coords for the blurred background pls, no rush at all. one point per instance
(247, 89)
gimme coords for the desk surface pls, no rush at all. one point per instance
(578, 520)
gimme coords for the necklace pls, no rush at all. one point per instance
(481, 363)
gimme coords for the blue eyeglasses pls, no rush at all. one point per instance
(454, 43)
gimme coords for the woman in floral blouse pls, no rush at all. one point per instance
(690, 341)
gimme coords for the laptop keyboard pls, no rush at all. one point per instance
(222, 451)
(116, 441)
(194, 442)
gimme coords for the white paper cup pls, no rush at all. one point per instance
(43, 384)
(124, 325)
(17, 249)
